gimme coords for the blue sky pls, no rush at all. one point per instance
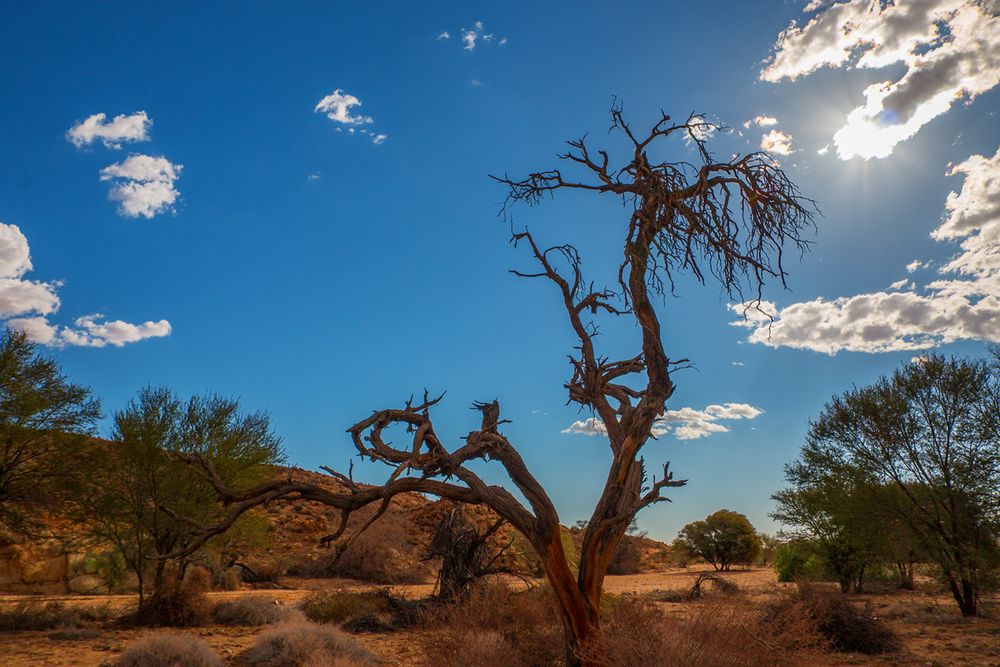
(318, 274)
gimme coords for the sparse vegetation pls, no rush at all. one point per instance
(300, 643)
(168, 649)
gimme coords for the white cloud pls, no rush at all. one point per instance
(379, 138)
(962, 304)
(337, 107)
(738, 363)
(761, 121)
(686, 423)
(143, 185)
(777, 142)
(949, 49)
(112, 134)
(26, 304)
(914, 265)
(589, 426)
(899, 284)
(824, 150)
(444, 35)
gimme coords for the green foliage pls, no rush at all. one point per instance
(908, 466)
(44, 418)
(149, 504)
(799, 559)
(725, 538)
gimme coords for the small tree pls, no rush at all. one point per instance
(44, 421)
(724, 538)
(146, 502)
(730, 219)
(933, 430)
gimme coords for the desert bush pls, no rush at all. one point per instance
(249, 610)
(495, 625)
(357, 611)
(299, 642)
(172, 605)
(846, 627)
(168, 649)
(230, 580)
(74, 634)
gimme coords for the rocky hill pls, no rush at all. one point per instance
(394, 549)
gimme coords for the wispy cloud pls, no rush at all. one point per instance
(121, 129)
(685, 424)
(761, 121)
(472, 37)
(337, 107)
(143, 185)
(949, 50)
(963, 303)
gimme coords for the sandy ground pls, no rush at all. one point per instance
(932, 632)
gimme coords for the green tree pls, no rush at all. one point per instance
(724, 538)
(44, 420)
(932, 429)
(146, 502)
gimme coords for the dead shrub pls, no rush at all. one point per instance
(299, 642)
(172, 605)
(230, 580)
(249, 610)
(495, 626)
(846, 627)
(168, 649)
(634, 633)
(720, 585)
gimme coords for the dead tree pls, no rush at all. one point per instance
(731, 220)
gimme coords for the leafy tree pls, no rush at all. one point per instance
(44, 421)
(725, 538)
(932, 429)
(729, 219)
(145, 501)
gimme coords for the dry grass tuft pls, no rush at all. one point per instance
(495, 626)
(35, 615)
(298, 643)
(168, 649)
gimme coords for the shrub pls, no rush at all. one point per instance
(343, 606)
(496, 626)
(249, 610)
(798, 559)
(172, 605)
(299, 642)
(846, 627)
(168, 649)
(231, 580)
